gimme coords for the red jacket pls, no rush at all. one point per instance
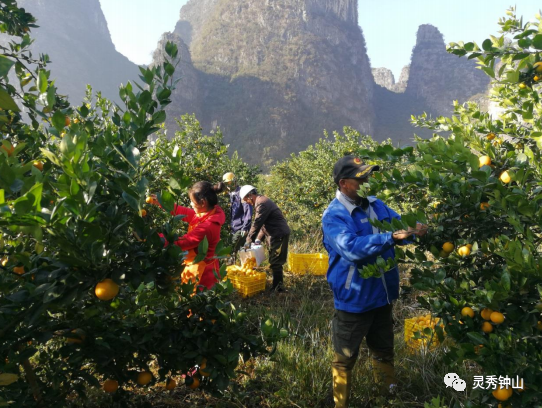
(209, 226)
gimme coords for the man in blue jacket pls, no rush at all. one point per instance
(363, 307)
(241, 214)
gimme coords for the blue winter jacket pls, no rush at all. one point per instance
(241, 213)
(353, 242)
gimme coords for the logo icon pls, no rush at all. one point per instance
(453, 380)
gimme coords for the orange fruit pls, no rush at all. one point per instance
(170, 384)
(497, 317)
(38, 165)
(19, 270)
(486, 313)
(4, 261)
(67, 121)
(522, 86)
(484, 206)
(149, 200)
(448, 247)
(143, 213)
(144, 377)
(463, 251)
(106, 289)
(9, 150)
(538, 66)
(505, 177)
(194, 383)
(502, 394)
(484, 160)
(536, 78)
(487, 327)
(79, 337)
(467, 311)
(202, 368)
(469, 246)
(110, 386)
(490, 136)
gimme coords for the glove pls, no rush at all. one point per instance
(257, 242)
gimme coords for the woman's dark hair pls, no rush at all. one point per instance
(203, 190)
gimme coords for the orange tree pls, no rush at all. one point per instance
(302, 186)
(191, 156)
(479, 191)
(82, 298)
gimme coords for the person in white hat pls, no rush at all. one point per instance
(240, 214)
(269, 222)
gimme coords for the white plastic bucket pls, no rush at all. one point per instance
(255, 251)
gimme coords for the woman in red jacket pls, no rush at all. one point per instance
(205, 219)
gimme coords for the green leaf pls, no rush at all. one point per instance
(505, 281)
(537, 42)
(131, 200)
(477, 338)
(166, 200)
(7, 379)
(42, 81)
(202, 251)
(59, 120)
(487, 45)
(7, 102)
(5, 65)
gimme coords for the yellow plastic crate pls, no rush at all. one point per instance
(315, 264)
(417, 324)
(250, 285)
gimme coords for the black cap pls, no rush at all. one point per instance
(352, 167)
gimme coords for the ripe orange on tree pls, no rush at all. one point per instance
(106, 289)
(487, 327)
(463, 251)
(490, 136)
(144, 377)
(486, 313)
(505, 177)
(19, 270)
(448, 247)
(538, 66)
(67, 121)
(467, 311)
(37, 164)
(143, 213)
(484, 161)
(110, 386)
(9, 150)
(502, 394)
(497, 317)
(484, 206)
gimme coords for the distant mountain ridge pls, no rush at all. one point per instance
(75, 35)
(273, 74)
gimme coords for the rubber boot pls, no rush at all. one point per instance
(384, 374)
(342, 382)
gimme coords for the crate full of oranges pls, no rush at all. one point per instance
(245, 279)
(418, 324)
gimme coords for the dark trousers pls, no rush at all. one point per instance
(237, 242)
(278, 255)
(349, 329)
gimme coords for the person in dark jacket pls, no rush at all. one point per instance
(240, 212)
(363, 307)
(269, 222)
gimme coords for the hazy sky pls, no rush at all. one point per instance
(389, 26)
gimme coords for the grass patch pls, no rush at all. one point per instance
(299, 373)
